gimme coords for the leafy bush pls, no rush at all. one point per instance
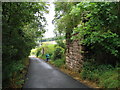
(20, 37)
(88, 71)
(105, 75)
(61, 43)
(12, 73)
(12, 67)
(109, 79)
(58, 62)
(58, 53)
(96, 29)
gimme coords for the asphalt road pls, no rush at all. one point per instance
(42, 75)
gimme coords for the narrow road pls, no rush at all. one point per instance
(42, 75)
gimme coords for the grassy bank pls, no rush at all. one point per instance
(103, 75)
(14, 73)
(58, 63)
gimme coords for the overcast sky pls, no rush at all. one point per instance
(49, 18)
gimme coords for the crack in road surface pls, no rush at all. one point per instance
(42, 75)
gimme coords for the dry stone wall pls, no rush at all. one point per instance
(74, 58)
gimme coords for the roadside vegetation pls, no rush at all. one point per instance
(56, 52)
(20, 21)
(95, 24)
(16, 72)
(103, 75)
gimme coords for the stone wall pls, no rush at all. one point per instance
(74, 58)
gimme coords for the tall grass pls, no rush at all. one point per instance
(58, 62)
(105, 76)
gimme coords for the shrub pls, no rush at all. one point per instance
(109, 79)
(58, 53)
(58, 62)
(13, 75)
(61, 43)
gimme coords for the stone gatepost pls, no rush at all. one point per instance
(74, 57)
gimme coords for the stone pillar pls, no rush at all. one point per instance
(74, 58)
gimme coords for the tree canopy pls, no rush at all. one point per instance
(22, 24)
(95, 24)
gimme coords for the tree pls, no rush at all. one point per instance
(21, 26)
(96, 25)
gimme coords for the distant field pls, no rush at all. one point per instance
(49, 42)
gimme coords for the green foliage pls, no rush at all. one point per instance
(20, 82)
(104, 75)
(98, 27)
(96, 24)
(61, 43)
(21, 25)
(63, 15)
(13, 66)
(58, 62)
(38, 53)
(109, 79)
(33, 52)
(43, 50)
(20, 28)
(48, 49)
(58, 53)
(12, 71)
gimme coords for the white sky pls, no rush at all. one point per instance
(49, 17)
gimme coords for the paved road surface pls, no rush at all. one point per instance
(42, 75)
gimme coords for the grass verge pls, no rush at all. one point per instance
(60, 63)
(104, 75)
(95, 76)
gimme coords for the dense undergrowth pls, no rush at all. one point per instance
(104, 75)
(14, 73)
(58, 63)
(20, 32)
